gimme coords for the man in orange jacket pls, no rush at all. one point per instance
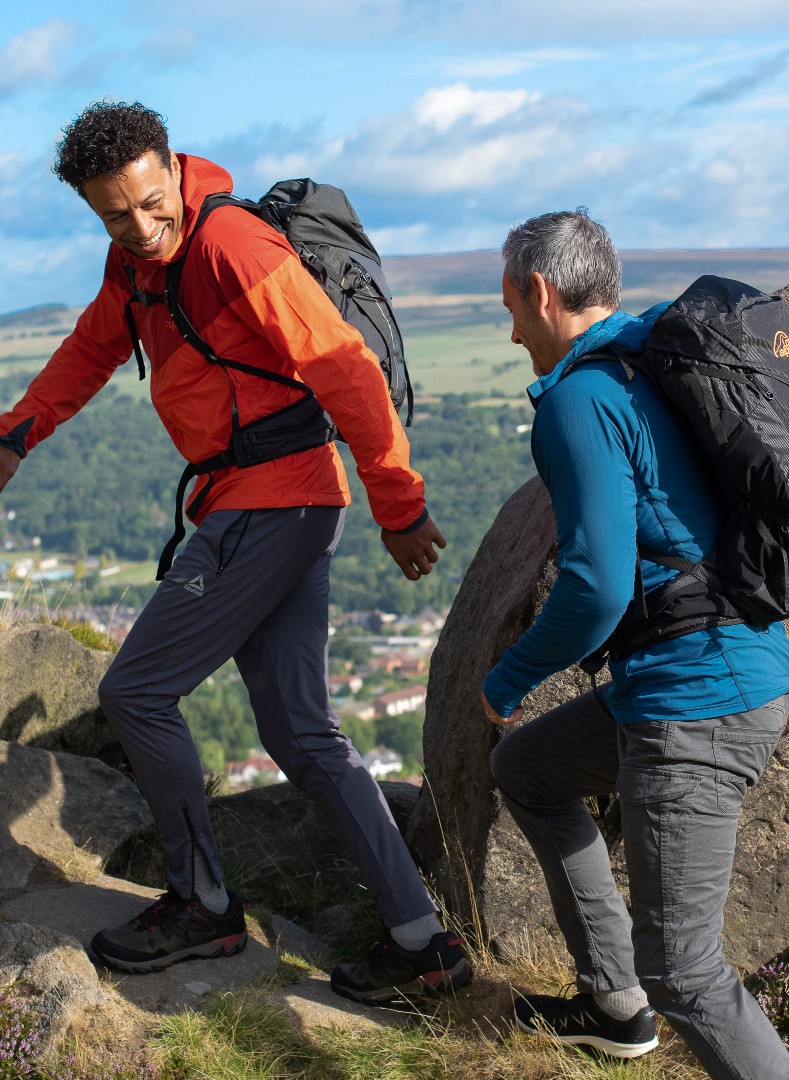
(252, 582)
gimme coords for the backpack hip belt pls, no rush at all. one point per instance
(300, 426)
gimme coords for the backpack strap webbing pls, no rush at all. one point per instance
(138, 296)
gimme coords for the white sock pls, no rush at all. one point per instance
(416, 934)
(621, 1004)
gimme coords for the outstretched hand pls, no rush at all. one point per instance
(9, 463)
(415, 552)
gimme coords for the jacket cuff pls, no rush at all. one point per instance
(414, 524)
(15, 439)
(13, 442)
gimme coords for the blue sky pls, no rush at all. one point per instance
(447, 121)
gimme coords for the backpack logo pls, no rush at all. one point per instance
(196, 585)
(781, 344)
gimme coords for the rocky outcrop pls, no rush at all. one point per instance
(55, 971)
(77, 910)
(757, 912)
(464, 840)
(63, 817)
(275, 845)
(467, 842)
(48, 693)
(58, 811)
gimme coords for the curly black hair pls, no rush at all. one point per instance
(105, 138)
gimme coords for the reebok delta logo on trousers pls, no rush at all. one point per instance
(196, 585)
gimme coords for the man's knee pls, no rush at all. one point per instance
(512, 780)
(116, 697)
(108, 693)
(323, 751)
(501, 767)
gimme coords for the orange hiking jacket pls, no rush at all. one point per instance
(246, 293)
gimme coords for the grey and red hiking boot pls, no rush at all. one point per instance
(579, 1021)
(394, 974)
(170, 930)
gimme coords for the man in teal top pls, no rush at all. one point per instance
(684, 726)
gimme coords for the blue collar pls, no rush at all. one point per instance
(628, 331)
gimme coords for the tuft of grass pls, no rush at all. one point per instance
(84, 633)
(250, 1035)
(27, 606)
(104, 1065)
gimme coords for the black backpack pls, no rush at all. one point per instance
(325, 231)
(720, 354)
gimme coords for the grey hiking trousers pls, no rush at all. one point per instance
(253, 585)
(681, 786)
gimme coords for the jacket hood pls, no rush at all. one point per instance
(199, 177)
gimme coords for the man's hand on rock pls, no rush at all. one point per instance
(493, 716)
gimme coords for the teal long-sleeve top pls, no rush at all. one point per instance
(620, 472)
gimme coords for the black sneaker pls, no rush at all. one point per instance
(170, 930)
(580, 1021)
(391, 973)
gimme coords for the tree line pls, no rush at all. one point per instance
(223, 727)
(104, 484)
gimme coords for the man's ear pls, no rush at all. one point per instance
(540, 293)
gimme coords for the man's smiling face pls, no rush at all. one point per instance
(141, 208)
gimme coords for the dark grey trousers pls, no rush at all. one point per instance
(681, 787)
(253, 585)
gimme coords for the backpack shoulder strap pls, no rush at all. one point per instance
(611, 352)
(137, 296)
(182, 321)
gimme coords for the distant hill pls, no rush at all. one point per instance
(478, 273)
(456, 331)
(46, 317)
(663, 272)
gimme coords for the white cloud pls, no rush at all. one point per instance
(34, 54)
(721, 172)
(452, 139)
(504, 64)
(401, 239)
(563, 23)
(282, 165)
(763, 104)
(443, 108)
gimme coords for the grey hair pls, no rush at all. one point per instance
(575, 254)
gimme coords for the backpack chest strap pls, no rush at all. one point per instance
(147, 299)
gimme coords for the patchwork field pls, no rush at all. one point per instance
(455, 328)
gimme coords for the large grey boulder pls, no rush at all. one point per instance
(466, 841)
(79, 910)
(57, 976)
(757, 912)
(48, 692)
(61, 816)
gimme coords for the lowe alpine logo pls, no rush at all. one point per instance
(196, 585)
(781, 344)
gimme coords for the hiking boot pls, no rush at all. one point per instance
(170, 930)
(391, 973)
(580, 1021)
